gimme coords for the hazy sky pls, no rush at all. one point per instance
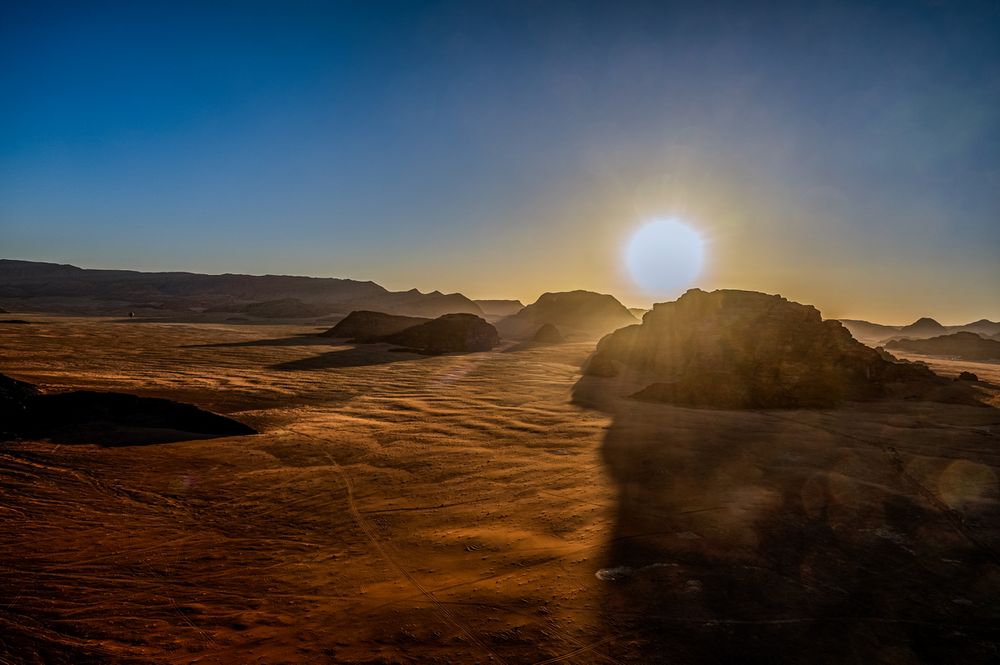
(842, 155)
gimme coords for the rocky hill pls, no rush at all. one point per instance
(446, 334)
(365, 326)
(923, 327)
(743, 349)
(581, 312)
(548, 334)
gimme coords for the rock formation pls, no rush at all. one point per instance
(364, 325)
(83, 416)
(743, 349)
(963, 345)
(578, 311)
(548, 334)
(446, 334)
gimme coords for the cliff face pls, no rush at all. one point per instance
(743, 349)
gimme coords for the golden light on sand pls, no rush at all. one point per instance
(665, 256)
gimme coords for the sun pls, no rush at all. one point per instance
(665, 256)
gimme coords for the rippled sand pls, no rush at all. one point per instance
(403, 508)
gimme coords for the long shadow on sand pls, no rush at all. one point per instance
(793, 537)
(358, 356)
(295, 340)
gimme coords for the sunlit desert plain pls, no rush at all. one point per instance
(483, 507)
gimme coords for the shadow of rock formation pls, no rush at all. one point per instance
(308, 339)
(855, 534)
(796, 537)
(108, 419)
(359, 356)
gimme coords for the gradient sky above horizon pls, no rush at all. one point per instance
(844, 155)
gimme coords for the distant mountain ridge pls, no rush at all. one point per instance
(59, 287)
(500, 308)
(964, 345)
(922, 328)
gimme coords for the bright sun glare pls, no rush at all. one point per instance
(665, 256)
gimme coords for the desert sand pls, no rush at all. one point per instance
(491, 507)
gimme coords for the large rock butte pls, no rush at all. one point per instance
(743, 349)
(572, 311)
(447, 334)
(364, 325)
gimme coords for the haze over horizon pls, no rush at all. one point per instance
(846, 156)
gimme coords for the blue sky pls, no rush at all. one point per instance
(846, 155)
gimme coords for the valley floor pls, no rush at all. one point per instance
(466, 509)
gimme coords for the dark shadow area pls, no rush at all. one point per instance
(105, 418)
(792, 537)
(358, 356)
(305, 339)
(528, 346)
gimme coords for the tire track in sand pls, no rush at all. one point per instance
(370, 534)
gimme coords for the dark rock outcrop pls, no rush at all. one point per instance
(548, 334)
(446, 334)
(84, 416)
(967, 376)
(963, 345)
(743, 349)
(363, 325)
(580, 311)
